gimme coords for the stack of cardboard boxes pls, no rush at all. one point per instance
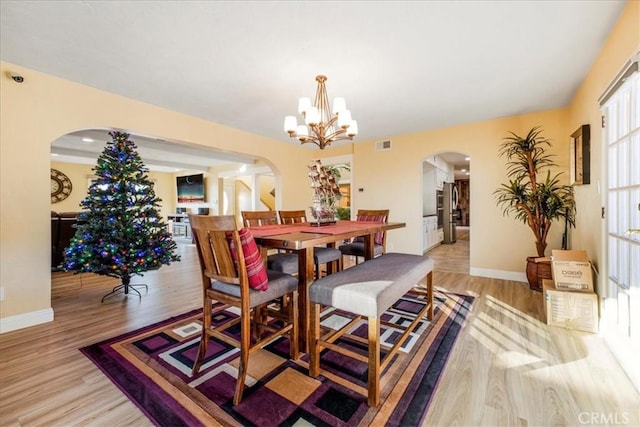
(569, 299)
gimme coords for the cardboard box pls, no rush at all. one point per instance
(570, 310)
(571, 270)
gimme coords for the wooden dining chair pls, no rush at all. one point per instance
(286, 262)
(256, 218)
(233, 275)
(321, 255)
(356, 246)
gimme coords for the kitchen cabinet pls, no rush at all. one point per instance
(432, 160)
(437, 162)
(430, 237)
(441, 177)
(428, 189)
(440, 172)
(425, 236)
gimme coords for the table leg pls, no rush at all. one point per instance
(332, 266)
(305, 278)
(368, 246)
(264, 252)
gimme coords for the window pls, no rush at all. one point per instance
(621, 150)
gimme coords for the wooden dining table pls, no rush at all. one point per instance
(301, 238)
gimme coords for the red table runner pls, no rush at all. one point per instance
(275, 229)
(339, 227)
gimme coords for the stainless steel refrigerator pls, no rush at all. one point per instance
(449, 205)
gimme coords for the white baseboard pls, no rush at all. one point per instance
(515, 276)
(20, 321)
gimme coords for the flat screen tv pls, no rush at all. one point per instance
(190, 188)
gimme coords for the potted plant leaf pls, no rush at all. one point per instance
(533, 196)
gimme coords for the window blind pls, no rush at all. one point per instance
(629, 68)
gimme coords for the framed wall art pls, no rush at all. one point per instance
(190, 188)
(580, 156)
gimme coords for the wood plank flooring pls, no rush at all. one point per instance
(507, 368)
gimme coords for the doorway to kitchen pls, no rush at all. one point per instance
(446, 210)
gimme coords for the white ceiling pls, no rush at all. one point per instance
(158, 155)
(402, 66)
(460, 162)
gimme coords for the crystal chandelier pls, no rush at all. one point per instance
(321, 127)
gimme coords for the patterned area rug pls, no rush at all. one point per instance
(152, 366)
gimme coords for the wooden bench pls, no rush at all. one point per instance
(367, 290)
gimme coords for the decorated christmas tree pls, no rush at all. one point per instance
(120, 232)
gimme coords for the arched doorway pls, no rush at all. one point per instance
(446, 209)
(75, 154)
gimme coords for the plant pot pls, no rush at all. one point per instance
(538, 269)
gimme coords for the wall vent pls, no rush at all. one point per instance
(383, 145)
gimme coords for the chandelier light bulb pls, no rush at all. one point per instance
(339, 105)
(353, 129)
(312, 117)
(290, 124)
(302, 132)
(303, 105)
(344, 119)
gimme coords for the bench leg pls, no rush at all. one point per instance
(294, 348)
(313, 340)
(374, 362)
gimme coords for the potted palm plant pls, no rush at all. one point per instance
(533, 197)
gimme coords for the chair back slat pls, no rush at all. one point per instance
(255, 218)
(374, 212)
(210, 235)
(376, 215)
(292, 217)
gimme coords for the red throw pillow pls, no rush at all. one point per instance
(373, 218)
(256, 271)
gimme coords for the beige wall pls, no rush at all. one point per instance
(393, 179)
(623, 42)
(267, 183)
(244, 184)
(215, 186)
(43, 108)
(79, 175)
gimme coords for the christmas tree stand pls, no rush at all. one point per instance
(125, 287)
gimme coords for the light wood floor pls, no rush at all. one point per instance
(507, 367)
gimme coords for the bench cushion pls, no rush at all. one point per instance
(370, 288)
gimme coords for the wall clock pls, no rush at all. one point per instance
(60, 186)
